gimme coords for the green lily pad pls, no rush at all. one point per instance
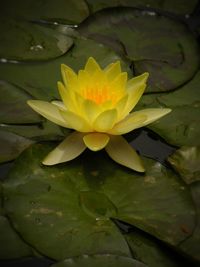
(191, 245)
(54, 208)
(99, 261)
(73, 11)
(147, 250)
(48, 214)
(175, 6)
(13, 106)
(45, 131)
(40, 79)
(24, 41)
(158, 44)
(12, 145)
(186, 161)
(181, 127)
(12, 245)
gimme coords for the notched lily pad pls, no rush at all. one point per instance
(186, 161)
(46, 201)
(44, 205)
(24, 41)
(155, 43)
(99, 261)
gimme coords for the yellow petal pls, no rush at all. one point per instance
(131, 122)
(75, 121)
(69, 77)
(69, 149)
(121, 152)
(121, 104)
(133, 83)
(49, 111)
(96, 141)
(118, 84)
(59, 104)
(138, 119)
(133, 98)
(113, 70)
(92, 66)
(105, 120)
(152, 114)
(67, 96)
(91, 110)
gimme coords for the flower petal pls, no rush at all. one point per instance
(120, 107)
(135, 88)
(113, 70)
(120, 151)
(67, 96)
(96, 141)
(91, 110)
(59, 104)
(92, 66)
(105, 121)
(75, 121)
(131, 122)
(69, 77)
(135, 82)
(69, 149)
(139, 119)
(152, 114)
(49, 111)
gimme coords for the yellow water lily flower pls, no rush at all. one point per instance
(97, 103)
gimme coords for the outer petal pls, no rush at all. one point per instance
(113, 70)
(69, 149)
(69, 77)
(59, 104)
(130, 123)
(75, 121)
(105, 120)
(67, 96)
(133, 83)
(92, 66)
(96, 141)
(120, 151)
(133, 98)
(49, 111)
(152, 114)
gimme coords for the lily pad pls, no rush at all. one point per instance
(181, 126)
(24, 41)
(99, 261)
(175, 6)
(150, 251)
(54, 208)
(73, 11)
(12, 245)
(12, 145)
(47, 211)
(40, 79)
(155, 43)
(186, 161)
(191, 245)
(45, 131)
(13, 106)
